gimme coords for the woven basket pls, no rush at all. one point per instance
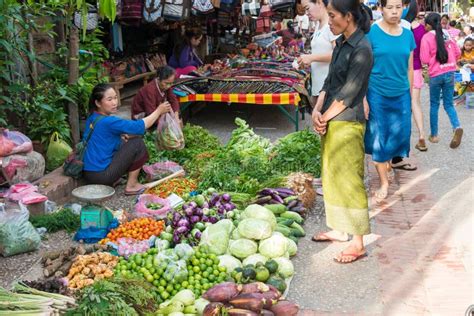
(92, 19)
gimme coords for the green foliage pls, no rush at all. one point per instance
(117, 296)
(298, 151)
(64, 219)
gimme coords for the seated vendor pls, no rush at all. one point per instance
(287, 34)
(109, 154)
(155, 93)
(184, 58)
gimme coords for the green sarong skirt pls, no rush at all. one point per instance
(345, 198)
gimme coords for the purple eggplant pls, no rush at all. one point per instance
(214, 199)
(225, 197)
(218, 204)
(277, 198)
(284, 191)
(181, 230)
(292, 203)
(267, 191)
(183, 222)
(205, 205)
(176, 217)
(194, 219)
(262, 200)
(205, 218)
(192, 204)
(198, 212)
(213, 220)
(197, 235)
(298, 209)
(228, 207)
(185, 206)
(176, 239)
(189, 211)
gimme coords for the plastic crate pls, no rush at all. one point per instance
(470, 100)
(458, 77)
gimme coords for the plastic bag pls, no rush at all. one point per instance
(25, 193)
(176, 271)
(169, 135)
(130, 246)
(184, 251)
(58, 151)
(149, 205)
(160, 170)
(14, 143)
(23, 168)
(17, 234)
(165, 257)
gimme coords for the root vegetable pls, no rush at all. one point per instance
(222, 292)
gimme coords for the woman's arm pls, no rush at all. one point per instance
(185, 58)
(163, 108)
(410, 72)
(322, 58)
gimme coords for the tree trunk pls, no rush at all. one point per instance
(73, 65)
(33, 65)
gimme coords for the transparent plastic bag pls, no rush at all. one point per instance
(176, 271)
(14, 143)
(165, 257)
(149, 205)
(17, 234)
(23, 168)
(58, 151)
(169, 135)
(130, 246)
(184, 251)
(160, 170)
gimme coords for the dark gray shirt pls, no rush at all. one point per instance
(348, 76)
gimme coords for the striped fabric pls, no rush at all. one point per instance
(270, 98)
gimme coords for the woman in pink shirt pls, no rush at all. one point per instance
(440, 52)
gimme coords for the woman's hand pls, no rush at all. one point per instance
(318, 124)
(366, 108)
(164, 107)
(305, 60)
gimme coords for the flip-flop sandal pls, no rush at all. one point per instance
(319, 191)
(137, 192)
(354, 256)
(405, 166)
(317, 182)
(326, 238)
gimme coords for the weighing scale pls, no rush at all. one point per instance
(93, 214)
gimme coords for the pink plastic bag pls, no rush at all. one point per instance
(25, 193)
(169, 135)
(130, 246)
(160, 170)
(14, 143)
(22, 167)
(147, 203)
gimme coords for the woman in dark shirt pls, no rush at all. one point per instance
(341, 123)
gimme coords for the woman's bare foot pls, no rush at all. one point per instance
(134, 189)
(332, 235)
(382, 192)
(350, 254)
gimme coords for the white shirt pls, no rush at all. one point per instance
(321, 43)
(302, 21)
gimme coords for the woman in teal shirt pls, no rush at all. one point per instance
(389, 94)
(110, 152)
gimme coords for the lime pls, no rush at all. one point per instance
(215, 272)
(169, 288)
(198, 254)
(195, 262)
(165, 295)
(203, 267)
(191, 273)
(202, 260)
(150, 278)
(222, 269)
(163, 282)
(212, 256)
(133, 265)
(161, 289)
(198, 277)
(156, 283)
(152, 270)
(197, 286)
(204, 281)
(160, 271)
(197, 269)
(205, 274)
(156, 276)
(209, 262)
(216, 260)
(222, 275)
(185, 284)
(212, 277)
(174, 292)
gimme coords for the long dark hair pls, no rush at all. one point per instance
(465, 41)
(356, 9)
(186, 41)
(434, 20)
(98, 94)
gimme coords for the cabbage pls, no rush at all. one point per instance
(235, 234)
(292, 247)
(216, 236)
(285, 267)
(254, 259)
(273, 247)
(242, 248)
(260, 212)
(253, 228)
(229, 262)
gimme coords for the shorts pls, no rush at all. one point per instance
(418, 80)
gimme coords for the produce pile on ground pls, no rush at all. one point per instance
(224, 249)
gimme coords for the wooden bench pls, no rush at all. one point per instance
(118, 85)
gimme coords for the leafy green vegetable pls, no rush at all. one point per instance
(298, 151)
(65, 219)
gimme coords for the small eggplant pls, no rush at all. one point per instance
(194, 219)
(277, 198)
(188, 211)
(192, 204)
(292, 204)
(262, 200)
(183, 222)
(225, 197)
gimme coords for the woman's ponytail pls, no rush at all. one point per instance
(359, 11)
(364, 18)
(434, 20)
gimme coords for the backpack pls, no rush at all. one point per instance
(203, 6)
(152, 10)
(176, 10)
(74, 164)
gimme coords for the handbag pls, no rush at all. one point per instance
(74, 164)
(263, 25)
(203, 6)
(251, 8)
(265, 11)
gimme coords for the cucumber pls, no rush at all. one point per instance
(295, 239)
(276, 208)
(285, 221)
(295, 227)
(292, 215)
(286, 231)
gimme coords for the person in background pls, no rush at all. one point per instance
(440, 53)
(467, 53)
(389, 94)
(339, 118)
(418, 29)
(446, 25)
(184, 58)
(376, 13)
(302, 23)
(108, 155)
(155, 93)
(322, 46)
(461, 38)
(468, 30)
(287, 34)
(298, 42)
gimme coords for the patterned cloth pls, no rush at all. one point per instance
(345, 198)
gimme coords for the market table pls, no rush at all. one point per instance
(259, 83)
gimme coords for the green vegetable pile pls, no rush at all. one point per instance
(64, 219)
